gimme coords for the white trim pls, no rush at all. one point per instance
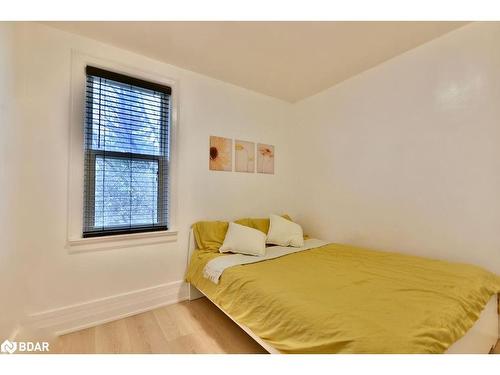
(75, 242)
(78, 245)
(88, 314)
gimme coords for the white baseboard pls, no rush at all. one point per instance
(88, 314)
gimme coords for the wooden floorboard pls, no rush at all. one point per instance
(188, 327)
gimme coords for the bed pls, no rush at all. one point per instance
(342, 299)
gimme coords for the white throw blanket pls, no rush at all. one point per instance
(214, 268)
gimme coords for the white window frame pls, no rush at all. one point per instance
(75, 240)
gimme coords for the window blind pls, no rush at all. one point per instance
(126, 135)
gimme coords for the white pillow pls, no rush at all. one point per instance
(244, 240)
(284, 232)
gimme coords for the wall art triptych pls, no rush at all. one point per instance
(246, 156)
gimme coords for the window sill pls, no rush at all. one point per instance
(78, 245)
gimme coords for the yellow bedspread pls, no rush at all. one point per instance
(343, 299)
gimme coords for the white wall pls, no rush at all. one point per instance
(58, 279)
(11, 307)
(406, 156)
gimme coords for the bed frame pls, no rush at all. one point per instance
(480, 339)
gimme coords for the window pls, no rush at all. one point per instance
(126, 134)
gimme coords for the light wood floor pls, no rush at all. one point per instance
(187, 327)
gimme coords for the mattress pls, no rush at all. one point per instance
(343, 299)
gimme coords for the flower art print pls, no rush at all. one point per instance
(221, 154)
(244, 156)
(265, 158)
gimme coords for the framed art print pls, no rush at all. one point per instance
(220, 154)
(265, 158)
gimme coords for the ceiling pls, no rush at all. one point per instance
(286, 60)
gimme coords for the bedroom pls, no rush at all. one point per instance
(390, 147)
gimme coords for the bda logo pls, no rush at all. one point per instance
(24, 346)
(8, 347)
